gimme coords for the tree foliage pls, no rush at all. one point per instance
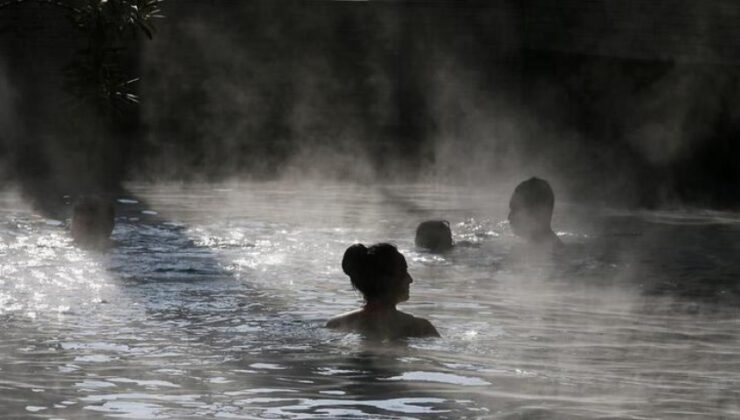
(96, 73)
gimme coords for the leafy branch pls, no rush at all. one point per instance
(56, 3)
(95, 74)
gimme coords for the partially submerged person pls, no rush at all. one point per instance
(530, 214)
(380, 273)
(434, 235)
(93, 218)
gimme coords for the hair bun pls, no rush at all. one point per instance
(354, 259)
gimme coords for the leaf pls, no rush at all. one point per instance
(146, 30)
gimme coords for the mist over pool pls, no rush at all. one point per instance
(238, 151)
(213, 298)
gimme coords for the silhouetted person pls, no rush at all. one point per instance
(434, 235)
(530, 212)
(93, 218)
(380, 273)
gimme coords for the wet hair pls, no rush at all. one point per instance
(370, 269)
(434, 235)
(535, 193)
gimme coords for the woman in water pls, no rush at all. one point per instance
(380, 273)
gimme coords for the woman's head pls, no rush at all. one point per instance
(379, 272)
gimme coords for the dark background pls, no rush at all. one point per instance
(621, 102)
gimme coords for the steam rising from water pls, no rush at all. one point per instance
(387, 91)
(7, 117)
(218, 310)
(213, 299)
(678, 111)
(367, 94)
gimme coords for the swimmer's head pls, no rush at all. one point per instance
(379, 272)
(434, 235)
(92, 220)
(531, 208)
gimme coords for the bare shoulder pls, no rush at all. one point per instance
(394, 325)
(418, 327)
(424, 328)
(344, 320)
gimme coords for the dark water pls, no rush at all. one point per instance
(214, 306)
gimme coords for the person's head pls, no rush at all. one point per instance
(92, 219)
(434, 235)
(379, 272)
(531, 208)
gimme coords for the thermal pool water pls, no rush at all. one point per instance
(212, 301)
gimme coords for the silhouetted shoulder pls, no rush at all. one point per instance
(344, 321)
(416, 327)
(332, 323)
(383, 326)
(424, 328)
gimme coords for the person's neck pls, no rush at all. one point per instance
(543, 235)
(379, 306)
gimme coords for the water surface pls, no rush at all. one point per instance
(212, 302)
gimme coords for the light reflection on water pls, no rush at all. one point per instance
(212, 301)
